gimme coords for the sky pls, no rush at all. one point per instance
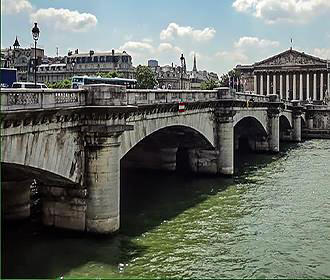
(221, 33)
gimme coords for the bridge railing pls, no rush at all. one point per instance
(26, 99)
(250, 96)
(147, 96)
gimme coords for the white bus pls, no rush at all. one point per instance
(78, 81)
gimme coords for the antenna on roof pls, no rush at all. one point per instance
(57, 51)
(291, 44)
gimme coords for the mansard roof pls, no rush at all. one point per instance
(290, 57)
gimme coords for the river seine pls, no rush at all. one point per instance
(272, 220)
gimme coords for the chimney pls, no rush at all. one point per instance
(76, 51)
(113, 52)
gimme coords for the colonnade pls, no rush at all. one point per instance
(293, 85)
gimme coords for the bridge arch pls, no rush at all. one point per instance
(58, 154)
(258, 118)
(199, 122)
(287, 116)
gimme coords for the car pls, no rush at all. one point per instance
(28, 85)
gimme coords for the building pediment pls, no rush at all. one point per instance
(290, 58)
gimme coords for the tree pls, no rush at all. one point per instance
(231, 77)
(60, 84)
(145, 78)
(113, 74)
(211, 84)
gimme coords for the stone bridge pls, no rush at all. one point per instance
(74, 142)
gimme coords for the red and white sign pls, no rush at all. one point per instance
(181, 107)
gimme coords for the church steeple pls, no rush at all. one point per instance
(195, 67)
(16, 43)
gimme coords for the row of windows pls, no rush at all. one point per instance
(53, 68)
(108, 58)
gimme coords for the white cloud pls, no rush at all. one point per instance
(11, 7)
(64, 19)
(137, 46)
(167, 47)
(236, 56)
(255, 42)
(147, 40)
(322, 53)
(174, 30)
(272, 11)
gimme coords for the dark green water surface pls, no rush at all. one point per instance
(272, 220)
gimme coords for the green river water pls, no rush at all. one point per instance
(272, 220)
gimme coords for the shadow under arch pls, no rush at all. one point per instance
(247, 132)
(285, 129)
(159, 149)
(17, 172)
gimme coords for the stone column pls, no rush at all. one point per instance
(225, 142)
(301, 96)
(307, 86)
(268, 84)
(281, 87)
(255, 84)
(274, 83)
(262, 84)
(64, 206)
(102, 180)
(296, 127)
(314, 88)
(321, 87)
(294, 85)
(287, 89)
(274, 135)
(16, 199)
(310, 122)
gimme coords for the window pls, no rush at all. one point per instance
(108, 58)
(125, 59)
(89, 59)
(96, 59)
(83, 59)
(78, 59)
(102, 58)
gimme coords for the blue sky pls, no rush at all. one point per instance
(222, 33)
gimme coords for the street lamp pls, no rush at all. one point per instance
(73, 64)
(35, 34)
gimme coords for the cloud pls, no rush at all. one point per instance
(246, 49)
(322, 53)
(167, 47)
(137, 46)
(64, 19)
(273, 11)
(174, 30)
(236, 56)
(255, 42)
(12, 7)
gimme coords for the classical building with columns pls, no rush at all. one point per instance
(291, 74)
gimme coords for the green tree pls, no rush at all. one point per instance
(60, 84)
(211, 84)
(232, 75)
(113, 74)
(145, 78)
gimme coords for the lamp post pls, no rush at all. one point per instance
(35, 34)
(73, 64)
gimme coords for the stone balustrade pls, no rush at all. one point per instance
(112, 95)
(153, 96)
(27, 99)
